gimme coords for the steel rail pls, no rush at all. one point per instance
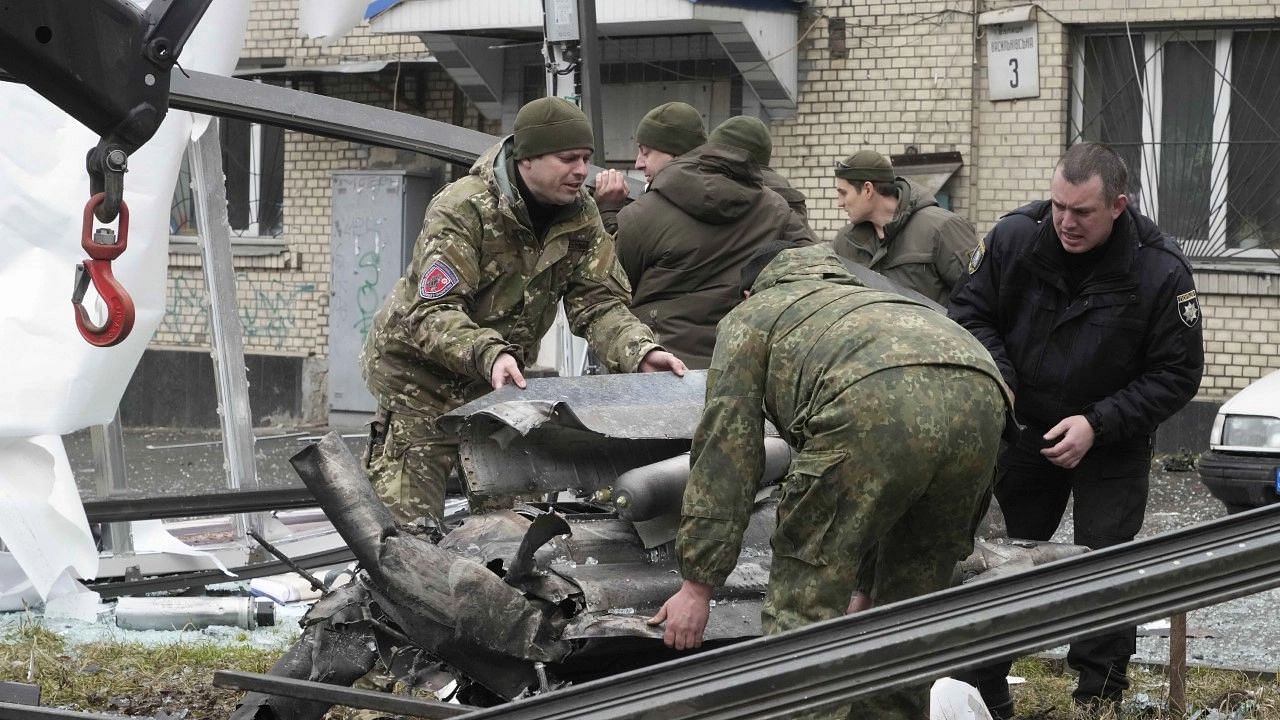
(330, 117)
(172, 506)
(321, 115)
(350, 697)
(341, 119)
(925, 638)
(116, 588)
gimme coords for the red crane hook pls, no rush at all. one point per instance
(103, 246)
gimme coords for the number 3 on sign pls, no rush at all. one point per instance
(1013, 53)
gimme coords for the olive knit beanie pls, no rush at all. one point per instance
(747, 133)
(866, 166)
(674, 128)
(551, 124)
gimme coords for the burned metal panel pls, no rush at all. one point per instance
(573, 433)
(495, 460)
(641, 406)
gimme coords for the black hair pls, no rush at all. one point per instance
(761, 258)
(885, 189)
(1085, 160)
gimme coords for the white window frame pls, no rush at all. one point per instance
(1152, 95)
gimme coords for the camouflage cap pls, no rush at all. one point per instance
(551, 124)
(865, 166)
(674, 128)
(747, 133)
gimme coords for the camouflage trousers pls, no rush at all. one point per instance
(896, 466)
(410, 465)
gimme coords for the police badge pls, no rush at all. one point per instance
(976, 258)
(1188, 308)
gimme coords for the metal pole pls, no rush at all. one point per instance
(224, 320)
(589, 71)
(108, 459)
(1178, 666)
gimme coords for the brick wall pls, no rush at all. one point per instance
(909, 80)
(1241, 317)
(283, 293)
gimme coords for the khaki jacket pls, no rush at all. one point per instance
(925, 247)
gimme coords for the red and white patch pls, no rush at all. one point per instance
(437, 281)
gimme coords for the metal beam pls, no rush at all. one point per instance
(229, 372)
(326, 116)
(927, 637)
(334, 118)
(114, 510)
(350, 697)
(200, 578)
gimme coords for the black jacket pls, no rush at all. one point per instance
(1126, 352)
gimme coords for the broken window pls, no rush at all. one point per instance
(253, 161)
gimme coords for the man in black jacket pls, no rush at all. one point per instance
(1091, 314)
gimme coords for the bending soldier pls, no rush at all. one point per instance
(896, 414)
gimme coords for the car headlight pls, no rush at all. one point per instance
(1250, 431)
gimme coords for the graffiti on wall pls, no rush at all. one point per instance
(368, 294)
(270, 310)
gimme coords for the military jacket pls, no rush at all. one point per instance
(808, 333)
(779, 184)
(1125, 351)
(480, 284)
(924, 248)
(684, 242)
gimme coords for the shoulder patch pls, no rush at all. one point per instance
(979, 252)
(437, 281)
(1188, 308)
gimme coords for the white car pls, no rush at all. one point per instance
(1242, 466)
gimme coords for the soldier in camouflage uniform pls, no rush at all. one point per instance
(498, 250)
(896, 414)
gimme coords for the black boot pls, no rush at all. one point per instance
(995, 695)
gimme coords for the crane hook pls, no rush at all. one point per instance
(103, 246)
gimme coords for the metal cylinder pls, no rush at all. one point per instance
(648, 491)
(335, 477)
(179, 613)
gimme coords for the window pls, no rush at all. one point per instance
(1193, 113)
(253, 161)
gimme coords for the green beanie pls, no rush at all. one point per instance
(551, 124)
(747, 133)
(674, 128)
(866, 166)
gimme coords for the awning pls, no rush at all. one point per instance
(928, 170)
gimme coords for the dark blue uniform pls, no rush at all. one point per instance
(1115, 337)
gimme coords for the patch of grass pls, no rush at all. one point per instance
(126, 678)
(1220, 694)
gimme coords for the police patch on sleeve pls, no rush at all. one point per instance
(976, 258)
(1189, 308)
(437, 281)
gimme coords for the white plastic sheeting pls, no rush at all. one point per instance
(329, 20)
(55, 382)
